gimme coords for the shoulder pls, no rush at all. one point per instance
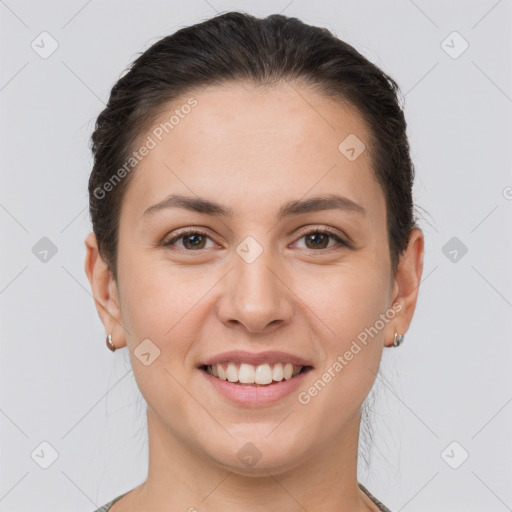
(381, 506)
(107, 506)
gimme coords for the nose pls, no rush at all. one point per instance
(255, 296)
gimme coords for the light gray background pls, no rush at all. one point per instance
(450, 381)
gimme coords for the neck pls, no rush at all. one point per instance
(180, 478)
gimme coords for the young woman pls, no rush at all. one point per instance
(255, 249)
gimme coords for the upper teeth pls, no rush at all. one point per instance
(250, 374)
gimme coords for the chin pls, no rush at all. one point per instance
(250, 454)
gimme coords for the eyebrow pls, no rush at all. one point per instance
(298, 207)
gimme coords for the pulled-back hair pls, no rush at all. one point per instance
(237, 47)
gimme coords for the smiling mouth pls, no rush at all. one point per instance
(265, 374)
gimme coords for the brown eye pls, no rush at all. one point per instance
(191, 241)
(318, 239)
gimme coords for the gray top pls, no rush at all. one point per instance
(381, 506)
(110, 503)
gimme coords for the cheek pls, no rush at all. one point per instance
(154, 293)
(351, 351)
(160, 306)
(349, 304)
(347, 299)
(348, 307)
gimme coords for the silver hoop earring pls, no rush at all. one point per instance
(110, 345)
(398, 340)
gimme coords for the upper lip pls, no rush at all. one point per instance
(255, 358)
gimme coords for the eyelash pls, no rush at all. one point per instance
(323, 231)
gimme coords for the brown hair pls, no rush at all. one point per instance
(235, 47)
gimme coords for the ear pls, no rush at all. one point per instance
(406, 283)
(105, 292)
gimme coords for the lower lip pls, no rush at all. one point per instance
(255, 395)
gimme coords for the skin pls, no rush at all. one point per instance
(312, 302)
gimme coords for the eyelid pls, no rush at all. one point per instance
(342, 240)
(186, 231)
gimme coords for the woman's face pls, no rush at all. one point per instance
(253, 280)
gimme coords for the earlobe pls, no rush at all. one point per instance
(104, 291)
(406, 284)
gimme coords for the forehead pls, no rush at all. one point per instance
(271, 144)
(293, 118)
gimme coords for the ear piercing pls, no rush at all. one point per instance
(398, 340)
(110, 345)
